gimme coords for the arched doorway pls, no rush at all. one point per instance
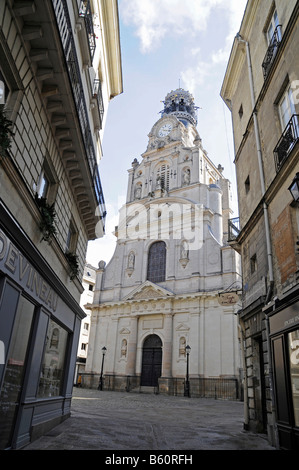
(151, 361)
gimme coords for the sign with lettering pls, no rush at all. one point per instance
(13, 263)
(228, 298)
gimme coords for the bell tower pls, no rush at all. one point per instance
(180, 103)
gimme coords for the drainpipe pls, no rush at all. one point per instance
(266, 219)
(242, 336)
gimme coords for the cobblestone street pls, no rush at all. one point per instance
(135, 421)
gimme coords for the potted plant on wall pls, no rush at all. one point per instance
(47, 211)
(5, 132)
(72, 259)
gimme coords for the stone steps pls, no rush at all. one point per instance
(144, 389)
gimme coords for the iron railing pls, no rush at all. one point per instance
(84, 10)
(68, 43)
(287, 141)
(97, 93)
(201, 387)
(271, 51)
(233, 228)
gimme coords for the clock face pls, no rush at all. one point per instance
(165, 129)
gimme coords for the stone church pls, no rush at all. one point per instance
(165, 305)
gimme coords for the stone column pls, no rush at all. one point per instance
(165, 382)
(132, 347)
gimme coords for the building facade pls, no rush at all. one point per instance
(261, 90)
(88, 283)
(59, 68)
(172, 282)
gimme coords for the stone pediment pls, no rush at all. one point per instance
(148, 290)
(182, 327)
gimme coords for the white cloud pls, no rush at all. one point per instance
(154, 19)
(235, 10)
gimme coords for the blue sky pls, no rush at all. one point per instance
(166, 44)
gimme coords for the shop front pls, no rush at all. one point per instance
(39, 330)
(284, 335)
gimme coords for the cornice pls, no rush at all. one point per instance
(172, 299)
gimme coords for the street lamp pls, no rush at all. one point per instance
(187, 385)
(100, 387)
(294, 188)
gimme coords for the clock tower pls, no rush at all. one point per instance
(163, 288)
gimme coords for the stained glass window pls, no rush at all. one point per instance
(156, 262)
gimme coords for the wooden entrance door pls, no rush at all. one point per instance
(151, 361)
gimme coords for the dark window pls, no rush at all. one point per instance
(247, 184)
(156, 262)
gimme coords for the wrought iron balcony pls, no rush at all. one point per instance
(271, 51)
(287, 141)
(233, 228)
(85, 12)
(65, 29)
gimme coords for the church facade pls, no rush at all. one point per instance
(165, 306)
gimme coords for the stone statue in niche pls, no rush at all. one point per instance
(138, 191)
(184, 255)
(131, 263)
(124, 348)
(182, 347)
(186, 176)
(131, 260)
(158, 182)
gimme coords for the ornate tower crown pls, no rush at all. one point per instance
(181, 103)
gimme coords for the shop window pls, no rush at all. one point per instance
(156, 262)
(53, 363)
(15, 369)
(294, 371)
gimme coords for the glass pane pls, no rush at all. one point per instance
(15, 370)
(270, 33)
(53, 364)
(275, 18)
(156, 262)
(294, 369)
(285, 112)
(44, 185)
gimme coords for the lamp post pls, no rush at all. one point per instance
(100, 387)
(294, 188)
(187, 385)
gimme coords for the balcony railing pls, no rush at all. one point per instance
(287, 141)
(85, 12)
(65, 29)
(233, 228)
(97, 93)
(271, 51)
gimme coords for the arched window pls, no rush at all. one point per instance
(156, 265)
(163, 174)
